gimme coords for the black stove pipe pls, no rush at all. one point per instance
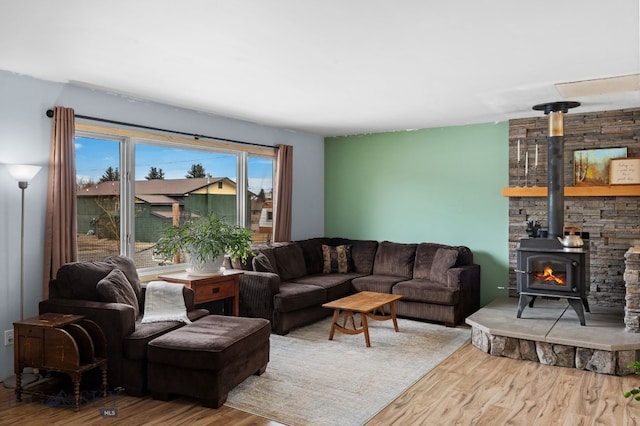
(555, 164)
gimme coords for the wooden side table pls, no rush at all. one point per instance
(224, 286)
(63, 343)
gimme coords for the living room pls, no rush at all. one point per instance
(441, 183)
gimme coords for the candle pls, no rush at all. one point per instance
(536, 163)
(526, 163)
(518, 150)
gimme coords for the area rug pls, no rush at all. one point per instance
(311, 380)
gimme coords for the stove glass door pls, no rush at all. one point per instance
(550, 272)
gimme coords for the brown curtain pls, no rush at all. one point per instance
(60, 245)
(282, 194)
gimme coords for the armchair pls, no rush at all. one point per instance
(93, 290)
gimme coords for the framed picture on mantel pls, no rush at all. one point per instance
(591, 166)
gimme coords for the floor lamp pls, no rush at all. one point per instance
(23, 174)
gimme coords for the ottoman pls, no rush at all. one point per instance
(207, 358)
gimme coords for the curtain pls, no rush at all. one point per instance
(60, 245)
(282, 194)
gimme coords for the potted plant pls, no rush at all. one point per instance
(204, 242)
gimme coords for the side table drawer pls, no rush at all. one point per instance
(207, 292)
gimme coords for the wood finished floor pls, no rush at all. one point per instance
(468, 388)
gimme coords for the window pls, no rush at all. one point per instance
(131, 188)
(98, 196)
(260, 184)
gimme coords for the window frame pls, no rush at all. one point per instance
(129, 138)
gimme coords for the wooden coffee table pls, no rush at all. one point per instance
(369, 305)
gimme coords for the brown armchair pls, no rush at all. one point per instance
(89, 289)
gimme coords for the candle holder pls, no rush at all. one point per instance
(535, 167)
(526, 169)
(518, 163)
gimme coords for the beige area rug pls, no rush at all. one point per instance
(311, 380)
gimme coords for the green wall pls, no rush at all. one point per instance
(434, 185)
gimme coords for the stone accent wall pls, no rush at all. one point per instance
(611, 221)
(632, 285)
(597, 361)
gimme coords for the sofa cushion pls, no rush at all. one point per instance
(443, 260)
(127, 266)
(290, 261)
(295, 296)
(135, 344)
(363, 253)
(336, 285)
(261, 263)
(115, 287)
(377, 283)
(312, 251)
(336, 259)
(424, 291)
(426, 252)
(394, 259)
(78, 280)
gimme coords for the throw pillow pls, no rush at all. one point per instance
(442, 261)
(289, 261)
(336, 259)
(115, 288)
(261, 263)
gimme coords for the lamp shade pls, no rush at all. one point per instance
(23, 172)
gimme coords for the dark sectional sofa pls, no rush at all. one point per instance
(287, 283)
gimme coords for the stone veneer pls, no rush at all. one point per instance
(598, 361)
(611, 221)
(550, 333)
(632, 285)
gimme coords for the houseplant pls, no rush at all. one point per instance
(635, 392)
(204, 242)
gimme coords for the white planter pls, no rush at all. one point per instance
(199, 268)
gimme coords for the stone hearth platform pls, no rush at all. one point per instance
(550, 333)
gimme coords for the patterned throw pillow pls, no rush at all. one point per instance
(336, 259)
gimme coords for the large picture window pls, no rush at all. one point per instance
(130, 189)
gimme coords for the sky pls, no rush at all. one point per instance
(95, 156)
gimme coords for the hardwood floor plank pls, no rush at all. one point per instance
(468, 388)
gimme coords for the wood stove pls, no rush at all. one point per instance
(546, 268)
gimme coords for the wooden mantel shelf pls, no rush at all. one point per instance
(576, 191)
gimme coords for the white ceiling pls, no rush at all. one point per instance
(331, 67)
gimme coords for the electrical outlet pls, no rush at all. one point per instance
(8, 337)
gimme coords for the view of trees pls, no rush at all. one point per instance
(155, 173)
(113, 174)
(197, 171)
(110, 174)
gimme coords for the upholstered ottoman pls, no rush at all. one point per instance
(208, 358)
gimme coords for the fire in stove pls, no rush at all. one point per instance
(549, 275)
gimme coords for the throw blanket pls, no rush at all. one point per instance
(164, 302)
